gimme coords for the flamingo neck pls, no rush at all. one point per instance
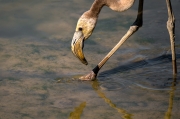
(116, 5)
(96, 7)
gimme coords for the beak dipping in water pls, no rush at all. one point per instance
(77, 46)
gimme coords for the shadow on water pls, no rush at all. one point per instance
(165, 58)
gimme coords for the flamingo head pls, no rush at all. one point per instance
(84, 29)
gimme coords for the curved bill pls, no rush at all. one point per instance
(77, 46)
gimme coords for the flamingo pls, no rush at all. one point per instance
(87, 23)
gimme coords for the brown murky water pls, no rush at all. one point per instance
(38, 72)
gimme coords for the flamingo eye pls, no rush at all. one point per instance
(80, 29)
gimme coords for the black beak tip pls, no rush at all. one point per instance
(84, 61)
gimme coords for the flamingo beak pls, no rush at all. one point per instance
(77, 46)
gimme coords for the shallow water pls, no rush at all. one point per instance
(38, 72)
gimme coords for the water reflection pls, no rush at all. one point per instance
(66, 97)
(124, 113)
(168, 114)
(77, 111)
(97, 87)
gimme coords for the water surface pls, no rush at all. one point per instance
(38, 72)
